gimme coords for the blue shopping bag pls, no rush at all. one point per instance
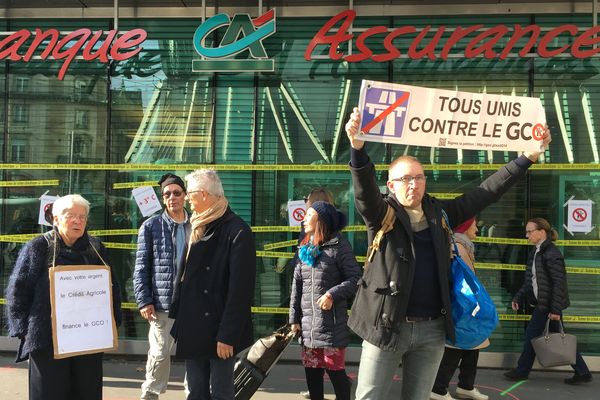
(473, 311)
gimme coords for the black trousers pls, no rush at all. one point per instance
(73, 378)
(339, 380)
(468, 369)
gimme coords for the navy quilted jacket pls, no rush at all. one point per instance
(28, 309)
(155, 268)
(337, 272)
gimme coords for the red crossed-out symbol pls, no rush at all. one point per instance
(298, 214)
(538, 131)
(385, 113)
(579, 214)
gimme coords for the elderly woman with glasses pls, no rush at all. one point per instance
(29, 311)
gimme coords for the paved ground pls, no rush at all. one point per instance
(123, 376)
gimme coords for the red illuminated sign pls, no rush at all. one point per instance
(484, 43)
(67, 47)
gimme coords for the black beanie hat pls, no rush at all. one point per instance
(334, 218)
(168, 179)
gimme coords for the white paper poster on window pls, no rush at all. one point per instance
(296, 211)
(579, 216)
(82, 310)
(413, 115)
(45, 203)
(146, 199)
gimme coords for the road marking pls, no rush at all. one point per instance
(516, 385)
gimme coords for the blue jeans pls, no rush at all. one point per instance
(535, 328)
(210, 379)
(420, 351)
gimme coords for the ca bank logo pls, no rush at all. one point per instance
(243, 33)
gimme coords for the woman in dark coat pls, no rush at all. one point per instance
(545, 288)
(325, 278)
(29, 311)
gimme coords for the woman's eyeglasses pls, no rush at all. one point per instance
(176, 193)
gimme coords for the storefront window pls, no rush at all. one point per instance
(151, 114)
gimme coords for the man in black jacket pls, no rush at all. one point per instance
(402, 307)
(213, 297)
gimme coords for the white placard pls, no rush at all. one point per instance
(146, 199)
(45, 202)
(412, 115)
(82, 312)
(579, 216)
(296, 212)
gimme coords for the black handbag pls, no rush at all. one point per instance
(554, 349)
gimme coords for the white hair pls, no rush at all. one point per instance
(207, 180)
(65, 203)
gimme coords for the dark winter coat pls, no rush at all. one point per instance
(214, 293)
(336, 271)
(551, 274)
(378, 310)
(28, 291)
(155, 269)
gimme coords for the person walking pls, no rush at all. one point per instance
(402, 307)
(545, 289)
(464, 234)
(325, 278)
(212, 302)
(29, 310)
(161, 246)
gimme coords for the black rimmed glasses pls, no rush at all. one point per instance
(407, 179)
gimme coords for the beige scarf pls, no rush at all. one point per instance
(200, 220)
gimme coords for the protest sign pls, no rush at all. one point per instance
(45, 204)
(146, 199)
(82, 310)
(412, 115)
(296, 212)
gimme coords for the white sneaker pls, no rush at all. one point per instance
(435, 396)
(470, 394)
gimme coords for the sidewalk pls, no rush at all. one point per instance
(123, 377)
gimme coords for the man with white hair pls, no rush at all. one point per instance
(213, 297)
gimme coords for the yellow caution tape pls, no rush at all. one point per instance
(282, 167)
(274, 254)
(44, 182)
(20, 238)
(584, 270)
(122, 246)
(514, 317)
(567, 318)
(132, 185)
(265, 229)
(444, 196)
(593, 319)
(114, 232)
(577, 243)
(497, 266)
(279, 245)
(129, 306)
(270, 310)
(497, 240)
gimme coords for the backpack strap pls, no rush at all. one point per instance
(386, 225)
(446, 227)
